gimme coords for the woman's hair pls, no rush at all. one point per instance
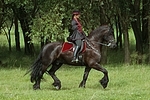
(73, 16)
(76, 12)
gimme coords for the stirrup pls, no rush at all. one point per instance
(75, 60)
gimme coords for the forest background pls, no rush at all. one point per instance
(28, 24)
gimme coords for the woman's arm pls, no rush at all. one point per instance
(74, 25)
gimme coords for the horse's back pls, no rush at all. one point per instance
(51, 50)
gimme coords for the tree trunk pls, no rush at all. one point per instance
(126, 43)
(42, 41)
(24, 21)
(149, 37)
(2, 12)
(9, 36)
(27, 40)
(17, 38)
(119, 41)
(145, 12)
(136, 25)
(149, 34)
(138, 37)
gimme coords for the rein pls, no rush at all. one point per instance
(107, 45)
(91, 46)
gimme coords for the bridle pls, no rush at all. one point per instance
(104, 44)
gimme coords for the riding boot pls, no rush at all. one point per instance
(75, 58)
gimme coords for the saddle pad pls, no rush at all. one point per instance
(67, 46)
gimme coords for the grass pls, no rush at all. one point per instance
(126, 83)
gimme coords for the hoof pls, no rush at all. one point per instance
(104, 82)
(82, 85)
(57, 86)
(35, 87)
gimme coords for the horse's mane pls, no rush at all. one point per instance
(100, 30)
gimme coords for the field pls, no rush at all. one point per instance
(126, 83)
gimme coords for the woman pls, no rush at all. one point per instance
(78, 35)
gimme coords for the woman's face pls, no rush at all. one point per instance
(77, 16)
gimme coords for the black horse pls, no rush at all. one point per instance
(52, 54)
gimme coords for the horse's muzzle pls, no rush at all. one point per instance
(112, 45)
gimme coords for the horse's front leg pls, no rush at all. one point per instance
(57, 82)
(104, 81)
(85, 76)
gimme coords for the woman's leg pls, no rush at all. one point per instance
(77, 49)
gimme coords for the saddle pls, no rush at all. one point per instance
(69, 46)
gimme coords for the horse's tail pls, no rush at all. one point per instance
(36, 69)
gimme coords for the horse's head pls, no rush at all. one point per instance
(103, 35)
(109, 37)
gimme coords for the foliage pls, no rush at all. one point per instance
(55, 18)
(48, 26)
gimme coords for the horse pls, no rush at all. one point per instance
(52, 55)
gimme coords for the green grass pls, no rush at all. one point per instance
(126, 83)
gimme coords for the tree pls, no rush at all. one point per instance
(136, 25)
(149, 38)
(145, 12)
(105, 18)
(25, 16)
(6, 22)
(123, 13)
(1, 13)
(17, 36)
(149, 33)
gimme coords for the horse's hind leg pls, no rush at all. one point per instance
(39, 77)
(37, 83)
(85, 76)
(57, 82)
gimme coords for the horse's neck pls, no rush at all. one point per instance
(96, 39)
(94, 44)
